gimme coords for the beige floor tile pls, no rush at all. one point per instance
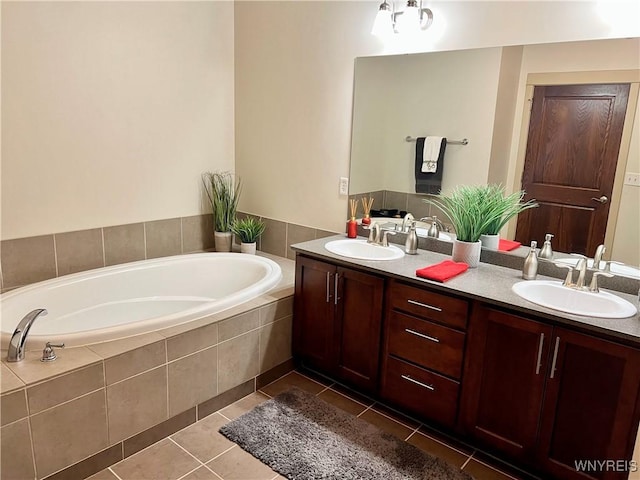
(105, 474)
(293, 379)
(243, 405)
(480, 471)
(386, 424)
(202, 439)
(338, 400)
(202, 473)
(438, 449)
(236, 464)
(398, 417)
(163, 460)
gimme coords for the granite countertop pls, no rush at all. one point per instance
(488, 283)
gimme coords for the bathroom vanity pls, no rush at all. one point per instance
(536, 387)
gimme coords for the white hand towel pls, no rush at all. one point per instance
(430, 154)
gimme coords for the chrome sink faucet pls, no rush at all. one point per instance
(374, 233)
(406, 222)
(19, 337)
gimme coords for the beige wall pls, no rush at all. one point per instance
(111, 111)
(294, 81)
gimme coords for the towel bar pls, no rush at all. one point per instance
(464, 141)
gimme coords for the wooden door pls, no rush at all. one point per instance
(591, 405)
(503, 382)
(313, 321)
(358, 327)
(570, 164)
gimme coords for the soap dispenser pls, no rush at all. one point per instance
(411, 244)
(434, 229)
(530, 269)
(546, 251)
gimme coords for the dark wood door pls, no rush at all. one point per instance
(358, 327)
(591, 405)
(571, 157)
(314, 306)
(504, 381)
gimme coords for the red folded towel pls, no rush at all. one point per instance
(443, 271)
(507, 245)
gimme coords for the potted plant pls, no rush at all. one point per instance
(473, 210)
(248, 230)
(223, 191)
(501, 208)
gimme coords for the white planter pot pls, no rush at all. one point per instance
(249, 248)
(467, 252)
(490, 242)
(223, 241)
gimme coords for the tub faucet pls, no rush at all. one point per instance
(19, 337)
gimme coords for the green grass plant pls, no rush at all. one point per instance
(223, 191)
(248, 229)
(474, 210)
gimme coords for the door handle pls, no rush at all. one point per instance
(602, 199)
(539, 360)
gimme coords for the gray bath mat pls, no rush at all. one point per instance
(304, 438)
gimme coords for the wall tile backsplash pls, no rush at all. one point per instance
(33, 259)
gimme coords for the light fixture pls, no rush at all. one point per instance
(411, 20)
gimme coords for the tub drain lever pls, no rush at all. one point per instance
(48, 354)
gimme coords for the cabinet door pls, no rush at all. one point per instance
(504, 379)
(590, 410)
(358, 327)
(313, 323)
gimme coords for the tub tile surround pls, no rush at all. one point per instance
(140, 389)
(33, 259)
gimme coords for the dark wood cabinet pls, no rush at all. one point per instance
(424, 335)
(337, 323)
(590, 407)
(539, 395)
(505, 374)
(549, 396)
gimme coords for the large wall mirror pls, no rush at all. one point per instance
(485, 96)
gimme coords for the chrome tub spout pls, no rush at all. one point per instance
(19, 337)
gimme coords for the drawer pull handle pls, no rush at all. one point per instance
(421, 335)
(431, 307)
(424, 385)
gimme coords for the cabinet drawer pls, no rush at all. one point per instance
(427, 344)
(425, 393)
(429, 305)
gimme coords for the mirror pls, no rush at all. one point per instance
(480, 95)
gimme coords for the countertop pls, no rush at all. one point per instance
(488, 283)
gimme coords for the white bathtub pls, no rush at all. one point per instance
(133, 298)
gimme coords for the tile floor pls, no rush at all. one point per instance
(199, 452)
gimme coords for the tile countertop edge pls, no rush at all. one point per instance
(473, 285)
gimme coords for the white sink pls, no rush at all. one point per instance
(616, 269)
(361, 250)
(553, 295)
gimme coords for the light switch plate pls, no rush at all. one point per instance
(632, 179)
(344, 186)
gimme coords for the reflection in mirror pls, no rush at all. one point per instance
(483, 95)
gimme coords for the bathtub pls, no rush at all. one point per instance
(124, 300)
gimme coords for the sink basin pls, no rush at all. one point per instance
(361, 250)
(553, 295)
(624, 270)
